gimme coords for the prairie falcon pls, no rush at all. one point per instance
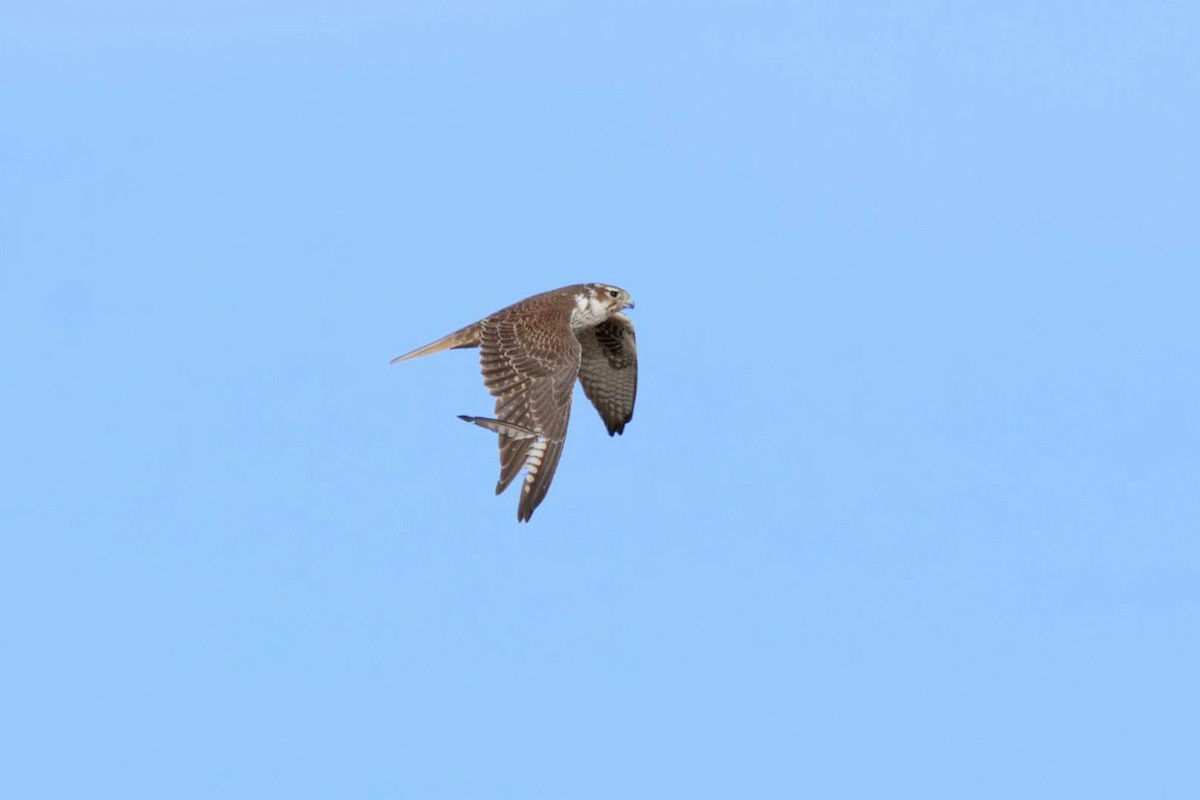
(530, 354)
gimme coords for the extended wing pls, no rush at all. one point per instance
(608, 370)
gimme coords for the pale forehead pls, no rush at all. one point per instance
(604, 287)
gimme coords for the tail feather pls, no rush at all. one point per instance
(463, 337)
(501, 427)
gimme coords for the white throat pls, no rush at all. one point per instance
(589, 311)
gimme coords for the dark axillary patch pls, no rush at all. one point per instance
(609, 336)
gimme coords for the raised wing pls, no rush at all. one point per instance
(529, 359)
(463, 337)
(608, 370)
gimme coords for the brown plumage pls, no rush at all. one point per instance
(530, 354)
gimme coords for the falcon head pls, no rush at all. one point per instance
(616, 298)
(597, 302)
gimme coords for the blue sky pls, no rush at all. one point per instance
(909, 505)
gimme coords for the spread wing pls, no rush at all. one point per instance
(529, 359)
(608, 370)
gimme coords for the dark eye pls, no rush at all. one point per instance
(613, 293)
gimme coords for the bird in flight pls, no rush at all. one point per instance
(530, 354)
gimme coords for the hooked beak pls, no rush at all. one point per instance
(628, 303)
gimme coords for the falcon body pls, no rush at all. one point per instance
(530, 354)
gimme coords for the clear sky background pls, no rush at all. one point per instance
(910, 504)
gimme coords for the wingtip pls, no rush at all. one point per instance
(620, 426)
(524, 507)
